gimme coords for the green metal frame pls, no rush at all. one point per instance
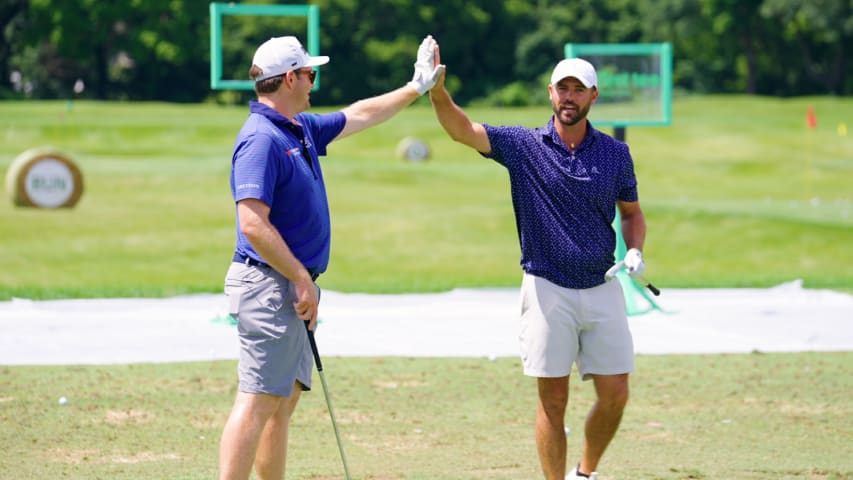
(661, 50)
(219, 10)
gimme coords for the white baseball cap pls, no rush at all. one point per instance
(280, 55)
(577, 68)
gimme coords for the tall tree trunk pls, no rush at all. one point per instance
(10, 10)
(102, 73)
(751, 64)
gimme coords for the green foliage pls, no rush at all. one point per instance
(820, 32)
(738, 192)
(132, 50)
(516, 94)
(159, 49)
(750, 417)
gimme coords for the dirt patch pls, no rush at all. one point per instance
(93, 456)
(127, 417)
(400, 384)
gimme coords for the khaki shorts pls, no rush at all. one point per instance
(561, 326)
(274, 349)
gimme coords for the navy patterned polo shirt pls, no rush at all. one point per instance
(564, 201)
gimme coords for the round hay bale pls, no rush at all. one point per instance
(44, 178)
(413, 150)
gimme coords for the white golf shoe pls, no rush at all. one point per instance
(573, 475)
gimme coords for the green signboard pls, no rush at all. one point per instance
(634, 82)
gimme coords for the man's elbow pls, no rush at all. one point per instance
(462, 135)
(471, 139)
(457, 136)
(250, 230)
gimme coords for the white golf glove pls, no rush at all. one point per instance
(634, 263)
(425, 72)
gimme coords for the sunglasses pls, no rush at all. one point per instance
(312, 74)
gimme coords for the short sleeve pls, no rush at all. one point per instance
(628, 180)
(323, 128)
(254, 175)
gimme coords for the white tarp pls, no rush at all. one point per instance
(459, 323)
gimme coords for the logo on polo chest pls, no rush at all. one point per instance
(576, 170)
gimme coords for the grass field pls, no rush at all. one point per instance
(737, 192)
(743, 417)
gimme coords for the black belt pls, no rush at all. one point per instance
(255, 263)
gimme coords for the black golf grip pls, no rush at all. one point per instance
(654, 289)
(314, 347)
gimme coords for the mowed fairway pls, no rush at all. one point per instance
(737, 192)
(744, 417)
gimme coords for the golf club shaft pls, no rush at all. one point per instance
(334, 423)
(615, 268)
(612, 271)
(328, 399)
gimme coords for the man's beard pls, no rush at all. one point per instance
(579, 114)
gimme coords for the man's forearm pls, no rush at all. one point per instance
(275, 250)
(634, 230)
(375, 110)
(456, 123)
(268, 242)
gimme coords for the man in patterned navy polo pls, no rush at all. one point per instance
(283, 241)
(567, 180)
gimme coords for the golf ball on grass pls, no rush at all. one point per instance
(63, 401)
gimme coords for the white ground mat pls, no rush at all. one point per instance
(459, 323)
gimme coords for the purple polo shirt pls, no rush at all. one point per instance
(269, 164)
(565, 202)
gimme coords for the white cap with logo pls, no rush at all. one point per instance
(280, 55)
(577, 68)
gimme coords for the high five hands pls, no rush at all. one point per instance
(427, 69)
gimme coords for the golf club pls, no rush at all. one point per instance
(649, 285)
(611, 272)
(328, 400)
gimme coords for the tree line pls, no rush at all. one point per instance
(497, 51)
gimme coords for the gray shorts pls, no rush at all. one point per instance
(274, 349)
(561, 326)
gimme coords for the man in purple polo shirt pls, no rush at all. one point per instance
(283, 240)
(567, 179)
